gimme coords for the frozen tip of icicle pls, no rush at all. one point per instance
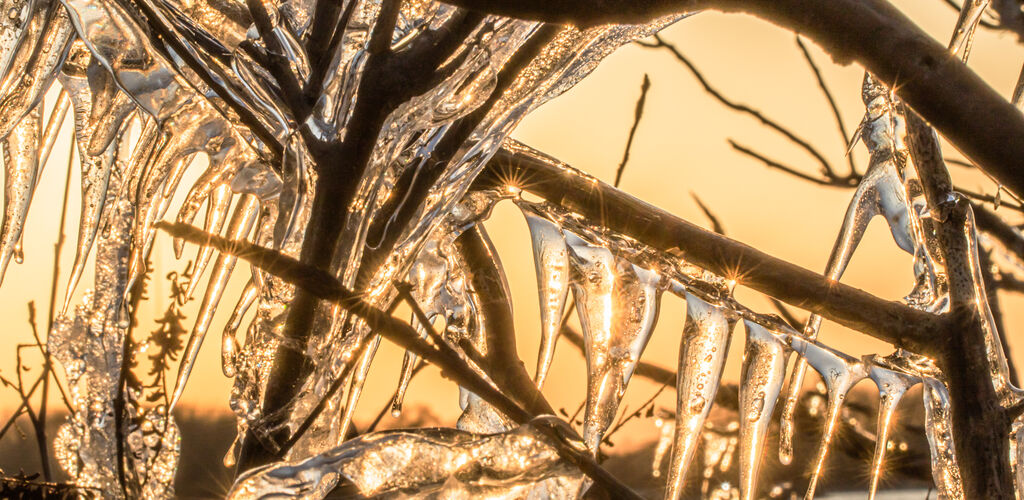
(19, 253)
(396, 410)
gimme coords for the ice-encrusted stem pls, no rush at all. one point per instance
(889, 321)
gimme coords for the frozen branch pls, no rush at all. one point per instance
(944, 91)
(890, 321)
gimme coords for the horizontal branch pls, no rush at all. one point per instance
(945, 92)
(601, 203)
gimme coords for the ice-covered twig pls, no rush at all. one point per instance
(890, 321)
(326, 287)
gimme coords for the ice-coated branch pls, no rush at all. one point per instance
(890, 321)
(951, 97)
(324, 286)
(966, 354)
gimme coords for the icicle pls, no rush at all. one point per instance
(892, 385)
(938, 427)
(216, 214)
(617, 304)
(35, 65)
(241, 224)
(666, 425)
(229, 341)
(761, 378)
(21, 165)
(840, 373)
(53, 126)
(551, 260)
(702, 354)
(355, 390)
(880, 192)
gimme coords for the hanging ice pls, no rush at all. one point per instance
(840, 373)
(761, 378)
(618, 308)
(551, 259)
(21, 166)
(702, 354)
(939, 429)
(892, 385)
(240, 226)
(880, 192)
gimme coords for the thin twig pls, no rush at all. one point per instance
(637, 114)
(844, 135)
(716, 226)
(743, 108)
(770, 163)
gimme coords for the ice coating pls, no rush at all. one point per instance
(702, 354)
(89, 346)
(617, 304)
(939, 430)
(551, 259)
(761, 377)
(840, 373)
(21, 166)
(436, 462)
(882, 191)
(242, 220)
(892, 385)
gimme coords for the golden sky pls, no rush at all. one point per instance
(680, 148)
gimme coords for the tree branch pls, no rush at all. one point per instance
(951, 97)
(890, 321)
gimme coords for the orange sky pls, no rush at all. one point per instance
(680, 148)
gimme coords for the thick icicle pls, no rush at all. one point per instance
(702, 354)
(21, 166)
(240, 226)
(35, 65)
(892, 385)
(761, 377)
(551, 259)
(840, 373)
(617, 304)
(938, 427)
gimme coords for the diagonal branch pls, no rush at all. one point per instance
(324, 286)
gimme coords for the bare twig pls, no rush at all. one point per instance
(844, 135)
(743, 108)
(716, 226)
(637, 114)
(827, 180)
